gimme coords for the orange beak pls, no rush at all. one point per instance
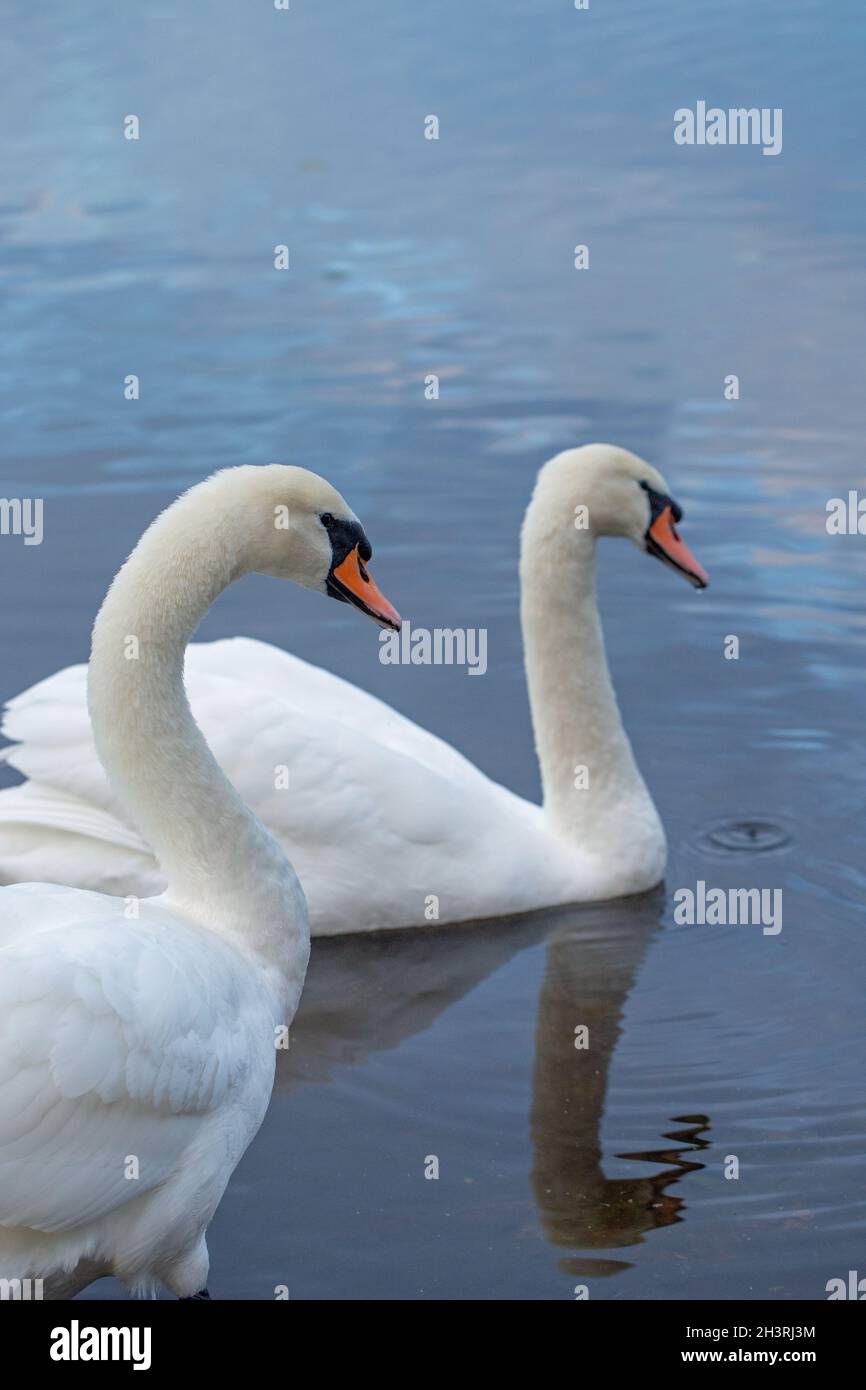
(663, 540)
(356, 585)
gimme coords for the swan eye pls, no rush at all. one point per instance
(327, 520)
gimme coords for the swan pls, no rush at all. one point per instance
(138, 1038)
(388, 825)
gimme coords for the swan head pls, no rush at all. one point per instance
(620, 494)
(296, 526)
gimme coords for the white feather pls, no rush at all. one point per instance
(381, 816)
(137, 1036)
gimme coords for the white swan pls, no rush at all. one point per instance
(382, 815)
(137, 1039)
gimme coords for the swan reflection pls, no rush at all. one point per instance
(367, 994)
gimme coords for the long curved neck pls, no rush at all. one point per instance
(594, 795)
(222, 867)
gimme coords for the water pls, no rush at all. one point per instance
(408, 257)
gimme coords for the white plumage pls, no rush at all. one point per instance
(378, 812)
(381, 816)
(138, 1035)
(136, 1061)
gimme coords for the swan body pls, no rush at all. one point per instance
(369, 843)
(137, 1037)
(388, 825)
(136, 1063)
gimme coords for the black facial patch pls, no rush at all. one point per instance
(344, 537)
(658, 501)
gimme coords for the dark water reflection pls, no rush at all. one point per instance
(408, 257)
(369, 996)
(365, 997)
